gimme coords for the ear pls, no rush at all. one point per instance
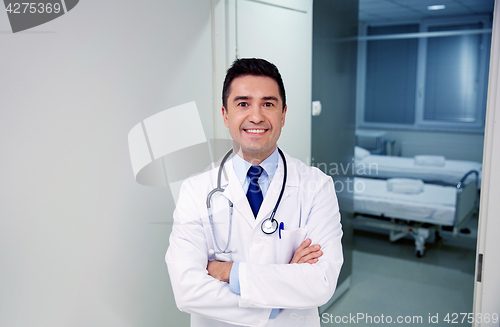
(224, 115)
(283, 117)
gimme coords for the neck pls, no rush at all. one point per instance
(255, 158)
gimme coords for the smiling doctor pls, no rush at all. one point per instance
(257, 240)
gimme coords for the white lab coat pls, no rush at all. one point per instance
(309, 208)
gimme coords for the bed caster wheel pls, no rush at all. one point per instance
(419, 253)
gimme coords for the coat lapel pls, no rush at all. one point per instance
(275, 188)
(234, 193)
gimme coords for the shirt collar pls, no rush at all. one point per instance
(241, 166)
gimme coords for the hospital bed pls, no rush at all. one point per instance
(419, 214)
(431, 169)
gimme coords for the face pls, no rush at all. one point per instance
(254, 116)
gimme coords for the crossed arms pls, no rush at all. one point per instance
(305, 253)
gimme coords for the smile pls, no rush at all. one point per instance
(255, 131)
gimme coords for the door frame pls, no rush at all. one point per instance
(487, 283)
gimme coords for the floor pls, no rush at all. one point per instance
(390, 285)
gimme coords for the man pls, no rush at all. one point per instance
(236, 267)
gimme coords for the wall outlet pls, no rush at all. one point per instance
(316, 108)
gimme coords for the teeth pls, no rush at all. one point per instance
(256, 130)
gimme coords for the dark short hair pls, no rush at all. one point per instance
(254, 67)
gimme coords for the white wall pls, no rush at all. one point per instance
(81, 243)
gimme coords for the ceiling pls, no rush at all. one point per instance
(377, 11)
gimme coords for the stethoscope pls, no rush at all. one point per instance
(268, 226)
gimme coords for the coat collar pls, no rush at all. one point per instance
(234, 192)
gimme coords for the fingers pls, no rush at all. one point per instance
(307, 253)
(311, 257)
(304, 245)
(299, 252)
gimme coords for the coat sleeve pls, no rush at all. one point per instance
(300, 286)
(195, 291)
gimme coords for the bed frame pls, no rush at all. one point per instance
(466, 206)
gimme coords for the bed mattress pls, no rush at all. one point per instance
(389, 167)
(435, 205)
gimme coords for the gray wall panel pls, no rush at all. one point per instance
(334, 84)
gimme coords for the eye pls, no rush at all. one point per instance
(268, 104)
(243, 104)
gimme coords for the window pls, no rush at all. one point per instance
(390, 93)
(452, 75)
(428, 75)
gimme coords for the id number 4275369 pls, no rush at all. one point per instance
(459, 318)
(33, 8)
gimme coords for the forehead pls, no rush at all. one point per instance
(254, 85)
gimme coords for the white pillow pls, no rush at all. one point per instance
(405, 185)
(439, 161)
(360, 153)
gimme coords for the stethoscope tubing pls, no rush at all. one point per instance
(266, 230)
(271, 218)
(209, 199)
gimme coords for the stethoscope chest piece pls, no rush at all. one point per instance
(269, 226)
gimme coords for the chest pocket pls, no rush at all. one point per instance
(289, 242)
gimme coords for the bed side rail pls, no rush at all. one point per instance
(467, 198)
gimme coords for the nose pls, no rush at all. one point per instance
(255, 115)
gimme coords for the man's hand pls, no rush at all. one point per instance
(220, 270)
(307, 253)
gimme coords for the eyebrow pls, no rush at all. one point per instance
(243, 97)
(270, 98)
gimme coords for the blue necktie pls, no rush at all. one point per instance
(254, 193)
